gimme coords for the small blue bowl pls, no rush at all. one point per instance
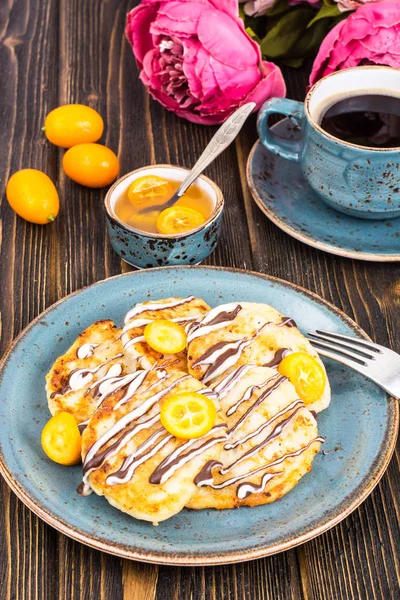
(145, 250)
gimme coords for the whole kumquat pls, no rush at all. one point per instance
(33, 196)
(73, 124)
(92, 165)
(61, 439)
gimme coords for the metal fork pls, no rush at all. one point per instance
(376, 362)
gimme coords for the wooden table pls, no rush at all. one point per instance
(59, 51)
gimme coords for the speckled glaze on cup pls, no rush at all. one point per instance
(356, 180)
(145, 250)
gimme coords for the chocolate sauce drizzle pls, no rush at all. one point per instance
(246, 396)
(121, 424)
(236, 443)
(247, 488)
(219, 360)
(288, 322)
(129, 425)
(276, 432)
(203, 478)
(177, 459)
(278, 357)
(232, 350)
(229, 381)
(113, 372)
(278, 380)
(143, 453)
(205, 474)
(218, 320)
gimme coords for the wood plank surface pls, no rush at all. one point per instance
(58, 51)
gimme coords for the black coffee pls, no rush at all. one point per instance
(368, 120)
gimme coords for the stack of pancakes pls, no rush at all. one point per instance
(264, 438)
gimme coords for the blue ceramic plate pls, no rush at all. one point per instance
(278, 187)
(361, 425)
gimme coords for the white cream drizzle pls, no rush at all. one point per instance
(79, 378)
(246, 396)
(236, 443)
(142, 322)
(229, 382)
(208, 393)
(113, 372)
(186, 458)
(134, 414)
(139, 427)
(140, 308)
(219, 486)
(239, 346)
(135, 340)
(205, 329)
(86, 350)
(276, 433)
(132, 463)
(133, 387)
(246, 489)
(112, 385)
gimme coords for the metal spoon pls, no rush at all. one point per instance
(221, 140)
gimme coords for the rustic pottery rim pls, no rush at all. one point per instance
(307, 239)
(315, 125)
(219, 205)
(350, 503)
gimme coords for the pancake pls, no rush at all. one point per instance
(114, 358)
(264, 439)
(184, 311)
(272, 440)
(131, 459)
(245, 333)
(78, 379)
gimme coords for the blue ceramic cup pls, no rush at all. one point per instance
(145, 250)
(357, 180)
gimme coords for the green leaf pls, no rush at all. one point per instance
(279, 7)
(311, 40)
(253, 35)
(325, 12)
(285, 33)
(293, 62)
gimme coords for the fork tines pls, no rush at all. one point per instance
(355, 349)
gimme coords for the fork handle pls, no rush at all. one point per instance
(221, 140)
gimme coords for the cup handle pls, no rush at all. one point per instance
(289, 149)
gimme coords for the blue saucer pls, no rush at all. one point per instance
(278, 187)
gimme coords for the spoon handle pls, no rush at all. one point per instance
(221, 140)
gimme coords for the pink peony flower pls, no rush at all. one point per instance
(197, 60)
(371, 35)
